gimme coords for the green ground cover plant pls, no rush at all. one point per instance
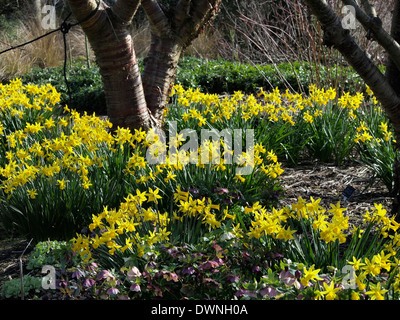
(12, 288)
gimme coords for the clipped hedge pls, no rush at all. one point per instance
(85, 85)
(211, 76)
(219, 76)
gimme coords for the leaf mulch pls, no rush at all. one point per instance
(330, 184)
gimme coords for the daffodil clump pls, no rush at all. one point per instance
(376, 144)
(377, 278)
(315, 264)
(20, 104)
(23, 106)
(138, 225)
(364, 283)
(366, 269)
(62, 169)
(332, 226)
(322, 123)
(366, 134)
(273, 105)
(370, 262)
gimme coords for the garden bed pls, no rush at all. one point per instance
(10, 253)
(308, 179)
(328, 182)
(201, 230)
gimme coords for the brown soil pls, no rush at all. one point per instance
(11, 250)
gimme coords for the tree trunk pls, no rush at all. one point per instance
(385, 87)
(393, 76)
(108, 34)
(126, 104)
(173, 29)
(159, 73)
(392, 71)
(134, 101)
(38, 10)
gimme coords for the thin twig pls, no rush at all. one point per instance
(369, 8)
(21, 270)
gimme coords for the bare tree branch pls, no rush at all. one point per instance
(125, 10)
(375, 25)
(182, 12)
(83, 8)
(369, 8)
(339, 38)
(201, 12)
(157, 18)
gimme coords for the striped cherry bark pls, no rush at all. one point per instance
(159, 73)
(133, 100)
(172, 30)
(112, 44)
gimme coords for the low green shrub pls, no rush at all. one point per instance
(12, 288)
(220, 76)
(85, 85)
(212, 76)
(54, 253)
